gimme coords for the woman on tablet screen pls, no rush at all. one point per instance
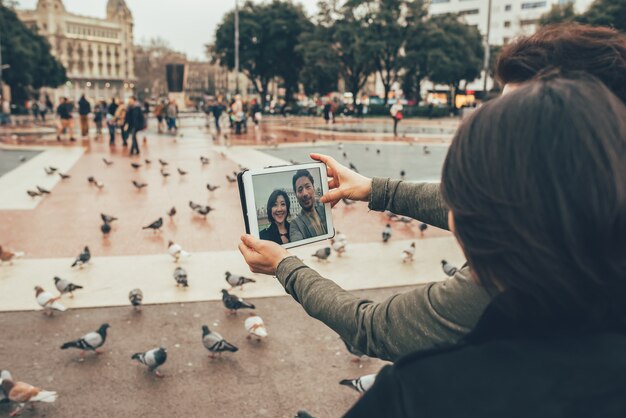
(277, 214)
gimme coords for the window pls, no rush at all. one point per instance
(468, 12)
(439, 1)
(534, 5)
(507, 8)
(528, 22)
(507, 24)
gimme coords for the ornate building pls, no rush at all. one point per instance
(98, 54)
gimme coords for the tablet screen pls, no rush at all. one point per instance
(288, 207)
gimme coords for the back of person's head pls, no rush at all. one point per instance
(599, 51)
(301, 173)
(536, 183)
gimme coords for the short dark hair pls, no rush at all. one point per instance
(536, 181)
(271, 201)
(301, 173)
(599, 51)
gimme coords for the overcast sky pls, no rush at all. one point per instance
(186, 24)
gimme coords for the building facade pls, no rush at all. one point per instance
(98, 54)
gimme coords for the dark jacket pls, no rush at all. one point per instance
(272, 234)
(112, 108)
(84, 108)
(134, 118)
(65, 111)
(526, 366)
(301, 225)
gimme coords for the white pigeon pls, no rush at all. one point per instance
(448, 268)
(23, 393)
(255, 327)
(341, 237)
(361, 384)
(4, 375)
(338, 246)
(176, 251)
(48, 302)
(407, 255)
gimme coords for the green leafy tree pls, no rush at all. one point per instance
(606, 13)
(268, 37)
(416, 58)
(559, 13)
(320, 71)
(31, 65)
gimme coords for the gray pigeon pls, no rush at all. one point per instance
(386, 233)
(361, 384)
(4, 375)
(215, 343)
(105, 228)
(64, 286)
(135, 297)
(180, 275)
(138, 185)
(234, 302)
(153, 359)
(89, 342)
(322, 254)
(83, 258)
(448, 268)
(107, 218)
(236, 280)
(42, 190)
(155, 225)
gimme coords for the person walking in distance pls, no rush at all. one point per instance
(172, 114)
(396, 115)
(111, 121)
(134, 122)
(65, 119)
(84, 109)
(120, 117)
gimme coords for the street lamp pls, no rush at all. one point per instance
(237, 46)
(487, 49)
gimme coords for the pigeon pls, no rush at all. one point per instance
(147, 161)
(138, 185)
(107, 162)
(107, 218)
(345, 156)
(22, 158)
(163, 163)
(361, 384)
(135, 165)
(22, 393)
(231, 179)
(4, 375)
(48, 302)
(33, 193)
(180, 275)
(200, 209)
(403, 219)
(215, 343)
(386, 233)
(49, 171)
(105, 228)
(303, 414)
(255, 326)
(176, 251)
(64, 176)
(135, 297)
(194, 206)
(42, 190)
(423, 227)
(204, 160)
(63, 286)
(353, 168)
(235, 280)
(181, 172)
(448, 268)
(341, 237)
(407, 255)
(155, 225)
(322, 253)
(338, 246)
(378, 151)
(211, 188)
(347, 201)
(402, 174)
(171, 212)
(426, 150)
(53, 169)
(153, 359)
(9, 256)
(164, 173)
(234, 302)
(91, 341)
(83, 258)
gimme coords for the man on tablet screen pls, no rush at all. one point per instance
(311, 221)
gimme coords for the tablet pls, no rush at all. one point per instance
(281, 204)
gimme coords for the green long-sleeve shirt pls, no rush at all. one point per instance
(430, 315)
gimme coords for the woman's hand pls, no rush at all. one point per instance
(344, 183)
(262, 256)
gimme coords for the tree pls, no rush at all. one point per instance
(320, 70)
(32, 66)
(559, 13)
(606, 13)
(268, 36)
(455, 54)
(150, 60)
(415, 59)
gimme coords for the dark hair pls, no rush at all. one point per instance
(301, 173)
(272, 201)
(599, 51)
(536, 181)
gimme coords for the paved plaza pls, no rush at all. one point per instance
(297, 367)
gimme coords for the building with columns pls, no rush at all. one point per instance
(98, 54)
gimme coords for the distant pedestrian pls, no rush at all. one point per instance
(217, 110)
(111, 121)
(134, 122)
(396, 115)
(5, 111)
(43, 109)
(328, 113)
(66, 124)
(159, 113)
(99, 111)
(84, 109)
(256, 112)
(172, 116)
(120, 117)
(34, 108)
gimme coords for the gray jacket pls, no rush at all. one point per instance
(430, 315)
(300, 226)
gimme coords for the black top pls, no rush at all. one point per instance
(65, 111)
(272, 234)
(84, 107)
(526, 366)
(134, 118)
